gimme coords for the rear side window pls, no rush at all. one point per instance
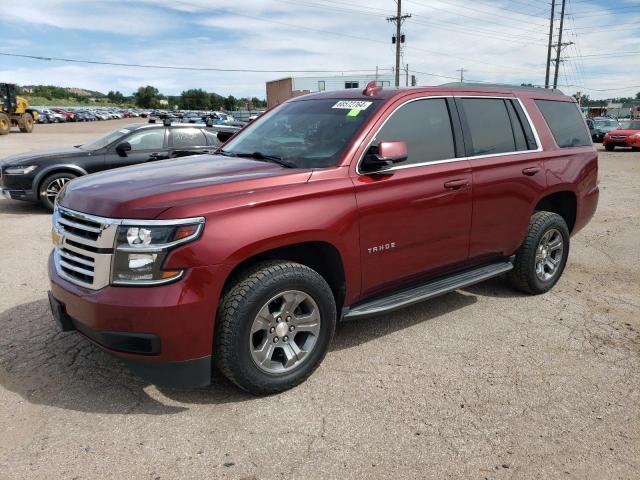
(425, 126)
(187, 137)
(489, 125)
(565, 122)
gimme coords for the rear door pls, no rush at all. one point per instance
(185, 141)
(508, 175)
(415, 219)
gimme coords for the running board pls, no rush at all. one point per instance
(426, 291)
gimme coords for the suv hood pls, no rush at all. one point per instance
(35, 155)
(145, 191)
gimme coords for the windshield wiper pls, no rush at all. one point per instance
(226, 153)
(269, 158)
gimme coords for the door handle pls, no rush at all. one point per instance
(530, 171)
(456, 184)
(157, 156)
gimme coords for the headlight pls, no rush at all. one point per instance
(21, 170)
(635, 135)
(141, 251)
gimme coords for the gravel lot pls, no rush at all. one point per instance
(480, 383)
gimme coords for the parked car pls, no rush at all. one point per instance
(627, 135)
(39, 175)
(69, 116)
(336, 205)
(43, 116)
(599, 126)
(54, 117)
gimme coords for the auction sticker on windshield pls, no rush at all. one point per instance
(352, 104)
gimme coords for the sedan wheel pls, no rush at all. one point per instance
(51, 186)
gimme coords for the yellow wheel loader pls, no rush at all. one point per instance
(15, 111)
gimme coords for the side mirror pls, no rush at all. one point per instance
(224, 136)
(381, 157)
(122, 148)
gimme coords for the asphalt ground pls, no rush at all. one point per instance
(480, 383)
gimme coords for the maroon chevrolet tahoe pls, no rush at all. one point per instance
(330, 206)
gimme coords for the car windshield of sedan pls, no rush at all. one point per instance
(106, 140)
(303, 133)
(606, 123)
(630, 125)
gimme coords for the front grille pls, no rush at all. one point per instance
(83, 247)
(618, 137)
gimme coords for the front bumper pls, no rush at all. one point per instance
(10, 194)
(162, 333)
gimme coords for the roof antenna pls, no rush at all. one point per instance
(371, 89)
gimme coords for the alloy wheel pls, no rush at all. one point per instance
(549, 255)
(284, 332)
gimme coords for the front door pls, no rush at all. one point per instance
(147, 144)
(415, 220)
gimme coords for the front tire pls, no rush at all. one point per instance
(5, 124)
(274, 327)
(609, 148)
(541, 258)
(26, 123)
(50, 188)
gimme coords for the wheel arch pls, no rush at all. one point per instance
(53, 169)
(321, 256)
(562, 202)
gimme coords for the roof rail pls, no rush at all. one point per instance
(503, 86)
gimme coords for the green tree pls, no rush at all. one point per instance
(195, 99)
(115, 97)
(147, 97)
(216, 102)
(230, 103)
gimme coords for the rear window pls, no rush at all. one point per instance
(566, 123)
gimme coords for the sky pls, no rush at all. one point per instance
(502, 41)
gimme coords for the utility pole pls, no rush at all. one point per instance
(559, 47)
(462, 70)
(398, 20)
(406, 71)
(546, 77)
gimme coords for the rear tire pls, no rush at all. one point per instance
(609, 148)
(274, 327)
(5, 124)
(50, 187)
(26, 123)
(541, 258)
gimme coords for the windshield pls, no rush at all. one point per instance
(106, 140)
(630, 125)
(304, 133)
(606, 123)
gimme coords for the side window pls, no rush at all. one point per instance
(425, 126)
(518, 132)
(321, 85)
(152, 139)
(489, 126)
(187, 137)
(350, 84)
(566, 123)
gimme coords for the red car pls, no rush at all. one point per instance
(70, 116)
(628, 135)
(330, 206)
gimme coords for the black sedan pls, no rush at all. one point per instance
(39, 175)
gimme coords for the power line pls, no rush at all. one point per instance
(175, 67)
